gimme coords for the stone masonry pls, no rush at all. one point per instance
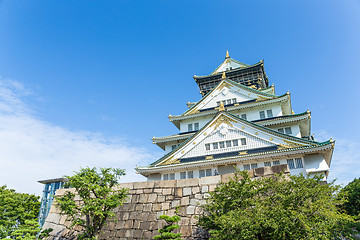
(139, 217)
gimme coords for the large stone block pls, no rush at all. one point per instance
(165, 184)
(187, 191)
(178, 192)
(190, 182)
(195, 190)
(147, 184)
(53, 218)
(209, 180)
(190, 210)
(147, 207)
(175, 203)
(152, 197)
(185, 201)
(160, 199)
(167, 191)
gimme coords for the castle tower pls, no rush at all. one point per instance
(239, 123)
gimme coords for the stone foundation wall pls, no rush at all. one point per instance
(139, 217)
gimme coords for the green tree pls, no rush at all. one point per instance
(352, 193)
(280, 207)
(166, 231)
(98, 197)
(15, 210)
(30, 230)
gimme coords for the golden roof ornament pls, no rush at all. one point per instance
(223, 75)
(221, 108)
(227, 54)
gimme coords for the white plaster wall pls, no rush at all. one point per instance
(251, 115)
(202, 122)
(195, 172)
(226, 94)
(229, 64)
(315, 162)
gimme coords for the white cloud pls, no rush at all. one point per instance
(32, 149)
(345, 162)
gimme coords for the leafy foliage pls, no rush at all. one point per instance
(281, 207)
(166, 231)
(15, 210)
(98, 198)
(30, 230)
(352, 193)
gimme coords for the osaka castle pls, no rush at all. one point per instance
(239, 123)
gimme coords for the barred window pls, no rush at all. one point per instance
(172, 176)
(228, 143)
(269, 113)
(190, 174)
(243, 141)
(234, 100)
(276, 162)
(166, 176)
(281, 130)
(243, 116)
(288, 130)
(208, 172)
(262, 114)
(173, 147)
(182, 175)
(299, 163)
(196, 126)
(267, 164)
(201, 173)
(190, 128)
(207, 146)
(229, 101)
(254, 165)
(247, 167)
(291, 164)
(235, 143)
(222, 144)
(215, 145)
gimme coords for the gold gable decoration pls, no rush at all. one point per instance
(289, 144)
(170, 161)
(221, 120)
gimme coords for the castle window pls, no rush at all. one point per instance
(299, 163)
(254, 165)
(190, 174)
(207, 146)
(190, 127)
(208, 172)
(201, 173)
(276, 162)
(269, 113)
(291, 164)
(281, 130)
(172, 176)
(288, 130)
(262, 114)
(243, 116)
(173, 147)
(224, 102)
(222, 144)
(235, 143)
(267, 164)
(218, 103)
(215, 145)
(234, 100)
(228, 143)
(228, 101)
(196, 126)
(247, 167)
(243, 141)
(166, 176)
(182, 175)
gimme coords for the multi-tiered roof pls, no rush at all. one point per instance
(238, 123)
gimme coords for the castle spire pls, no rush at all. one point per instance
(227, 54)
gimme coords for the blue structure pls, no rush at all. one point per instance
(51, 185)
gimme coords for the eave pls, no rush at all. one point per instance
(284, 99)
(267, 122)
(327, 147)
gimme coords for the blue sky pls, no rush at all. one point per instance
(90, 82)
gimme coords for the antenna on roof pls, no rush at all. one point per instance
(227, 54)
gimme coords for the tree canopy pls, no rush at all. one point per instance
(352, 193)
(98, 197)
(279, 207)
(15, 210)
